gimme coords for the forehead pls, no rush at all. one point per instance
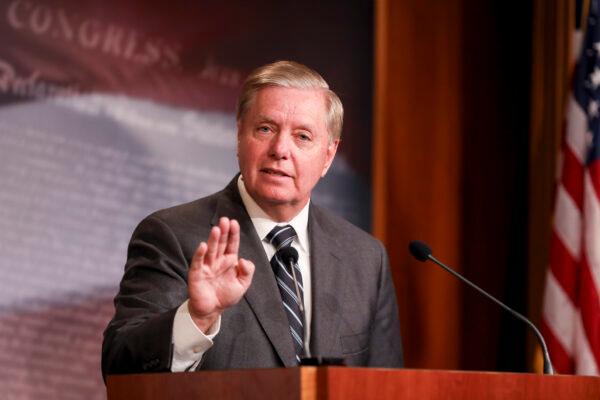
(289, 104)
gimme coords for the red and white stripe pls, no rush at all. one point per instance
(571, 314)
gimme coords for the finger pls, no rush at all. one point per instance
(245, 271)
(233, 243)
(212, 245)
(198, 256)
(224, 226)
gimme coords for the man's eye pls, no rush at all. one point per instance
(304, 137)
(264, 129)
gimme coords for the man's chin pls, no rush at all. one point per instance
(276, 191)
(278, 199)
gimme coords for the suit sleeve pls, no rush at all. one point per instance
(386, 345)
(154, 285)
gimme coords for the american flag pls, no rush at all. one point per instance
(571, 314)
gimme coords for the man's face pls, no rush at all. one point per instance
(284, 148)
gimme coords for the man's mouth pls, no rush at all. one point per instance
(274, 172)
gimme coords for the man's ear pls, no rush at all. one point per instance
(331, 151)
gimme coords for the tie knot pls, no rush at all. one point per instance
(281, 236)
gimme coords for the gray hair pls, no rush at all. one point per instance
(294, 75)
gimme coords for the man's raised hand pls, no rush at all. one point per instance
(217, 278)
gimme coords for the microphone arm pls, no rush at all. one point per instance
(306, 346)
(422, 252)
(290, 257)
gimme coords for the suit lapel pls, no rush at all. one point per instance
(328, 281)
(263, 294)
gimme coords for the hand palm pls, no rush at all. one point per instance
(217, 278)
(216, 288)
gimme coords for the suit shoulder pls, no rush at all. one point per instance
(182, 218)
(179, 227)
(344, 231)
(189, 210)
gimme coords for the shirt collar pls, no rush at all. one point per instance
(264, 224)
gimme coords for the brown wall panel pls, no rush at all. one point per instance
(418, 169)
(451, 168)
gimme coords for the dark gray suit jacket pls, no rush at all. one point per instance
(355, 314)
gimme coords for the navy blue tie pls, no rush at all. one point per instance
(282, 237)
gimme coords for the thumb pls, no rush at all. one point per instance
(245, 271)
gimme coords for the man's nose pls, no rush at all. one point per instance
(281, 145)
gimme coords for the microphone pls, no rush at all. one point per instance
(422, 252)
(289, 255)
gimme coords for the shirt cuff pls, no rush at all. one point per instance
(189, 342)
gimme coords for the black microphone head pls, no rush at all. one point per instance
(419, 250)
(289, 255)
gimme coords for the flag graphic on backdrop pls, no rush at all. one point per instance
(571, 314)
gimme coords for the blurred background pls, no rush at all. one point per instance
(111, 110)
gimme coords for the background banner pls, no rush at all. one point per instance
(109, 111)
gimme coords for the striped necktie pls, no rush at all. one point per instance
(282, 237)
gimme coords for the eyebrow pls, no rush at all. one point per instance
(269, 120)
(263, 118)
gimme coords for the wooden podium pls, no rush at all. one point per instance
(351, 383)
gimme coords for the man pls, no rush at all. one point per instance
(207, 284)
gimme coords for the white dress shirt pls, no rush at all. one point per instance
(189, 342)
